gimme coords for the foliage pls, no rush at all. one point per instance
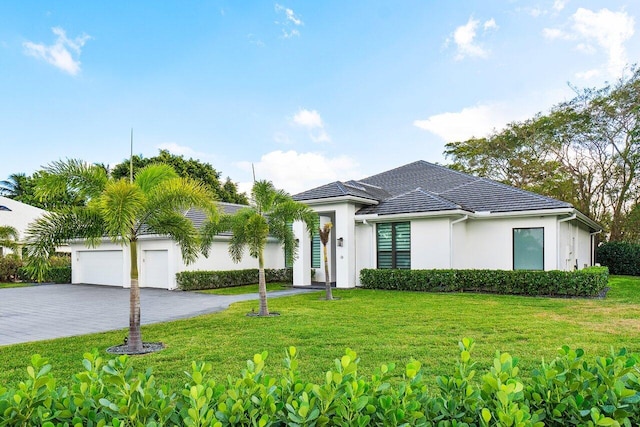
(9, 267)
(191, 168)
(271, 214)
(198, 280)
(568, 390)
(120, 210)
(586, 282)
(60, 274)
(620, 257)
(585, 151)
(8, 237)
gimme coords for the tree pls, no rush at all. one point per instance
(8, 238)
(14, 186)
(324, 232)
(120, 210)
(271, 213)
(191, 168)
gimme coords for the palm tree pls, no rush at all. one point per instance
(121, 210)
(324, 232)
(270, 213)
(8, 238)
(15, 185)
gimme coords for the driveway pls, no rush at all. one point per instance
(53, 311)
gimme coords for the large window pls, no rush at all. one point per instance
(528, 248)
(394, 245)
(315, 244)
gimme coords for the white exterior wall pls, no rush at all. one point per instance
(488, 243)
(219, 259)
(365, 249)
(574, 246)
(430, 243)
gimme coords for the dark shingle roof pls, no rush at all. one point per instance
(425, 187)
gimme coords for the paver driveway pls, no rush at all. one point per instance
(53, 311)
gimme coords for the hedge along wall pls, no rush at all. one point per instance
(586, 282)
(620, 257)
(54, 275)
(198, 280)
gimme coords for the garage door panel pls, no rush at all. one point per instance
(102, 267)
(156, 269)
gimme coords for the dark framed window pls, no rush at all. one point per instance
(394, 245)
(528, 248)
(315, 244)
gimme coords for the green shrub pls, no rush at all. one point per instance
(9, 266)
(198, 280)
(620, 257)
(569, 390)
(54, 275)
(586, 282)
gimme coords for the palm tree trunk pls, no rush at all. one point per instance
(327, 279)
(135, 337)
(262, 286)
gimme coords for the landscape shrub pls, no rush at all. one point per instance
(9, 266)
(569, 390)
(620, 257)
(199, 280)
(54, 275)
(589, 281)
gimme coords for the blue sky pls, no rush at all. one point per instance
(309, 92)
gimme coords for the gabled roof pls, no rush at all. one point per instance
(425, 187)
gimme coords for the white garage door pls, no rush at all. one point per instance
(100, 267)
(156, 269)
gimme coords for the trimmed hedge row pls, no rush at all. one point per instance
(199, 280)
(620, 257)
(54, 275)
(586, 282)
(569, 390)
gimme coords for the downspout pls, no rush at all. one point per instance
(593, 246)
(569, 218)
(464, 218)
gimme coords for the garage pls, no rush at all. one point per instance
(155, 264)
(100, 267)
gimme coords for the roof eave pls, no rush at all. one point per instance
(412, 215)
(326, 200)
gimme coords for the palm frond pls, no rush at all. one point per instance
(72, 176)
(152, 175)
(180, 229)
(121, 205)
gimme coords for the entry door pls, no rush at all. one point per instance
(156, 269)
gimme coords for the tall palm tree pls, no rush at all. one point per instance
(121, 210)
(8, 238)
(324, 232)
(270, 213)
(14, 186)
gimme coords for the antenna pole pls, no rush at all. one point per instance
(131, 159)
(253, 169)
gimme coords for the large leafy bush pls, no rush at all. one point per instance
(569, 390)
(586, 282)
(620, 257)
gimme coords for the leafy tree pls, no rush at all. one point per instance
(191, 168)
(324, 233)
(15, 185)
(119, 210)
(8, 238)
(270, 213)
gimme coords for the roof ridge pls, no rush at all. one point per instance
(437, 196)
(473, 181)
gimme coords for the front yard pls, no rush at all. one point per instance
(381, 326)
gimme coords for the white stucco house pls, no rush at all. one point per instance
(160, 258)
(17, 215)
(426, 216)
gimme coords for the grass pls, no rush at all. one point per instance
(247, 289)
(14, 285)
(381, 326)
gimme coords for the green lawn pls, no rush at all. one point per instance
(247, 289)
(382, 326)
(14, 285)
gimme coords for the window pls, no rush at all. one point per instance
(4, 208)
(315, 244)
(528, 248)
(394, 245)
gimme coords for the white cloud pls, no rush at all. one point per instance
(465, 38)
(589, 74)
(61, 53)
(311, 120)
(559, 4)
(183, 150)
(606, 29)
(291, 21)
(296, 172)
(477, 121)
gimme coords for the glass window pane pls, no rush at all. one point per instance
(528, 248)
(315, 245)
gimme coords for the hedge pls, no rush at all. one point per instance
(620, 257)
(54, 275)
(586, 282)
(9, 267)
(198, 280)
(569, 390)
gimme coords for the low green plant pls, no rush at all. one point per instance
(9, 266)
(621, 257)
(568, 391)
(200, 280)
(586, 282)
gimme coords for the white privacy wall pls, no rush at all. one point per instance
(430, 243)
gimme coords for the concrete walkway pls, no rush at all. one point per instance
(53, 311)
